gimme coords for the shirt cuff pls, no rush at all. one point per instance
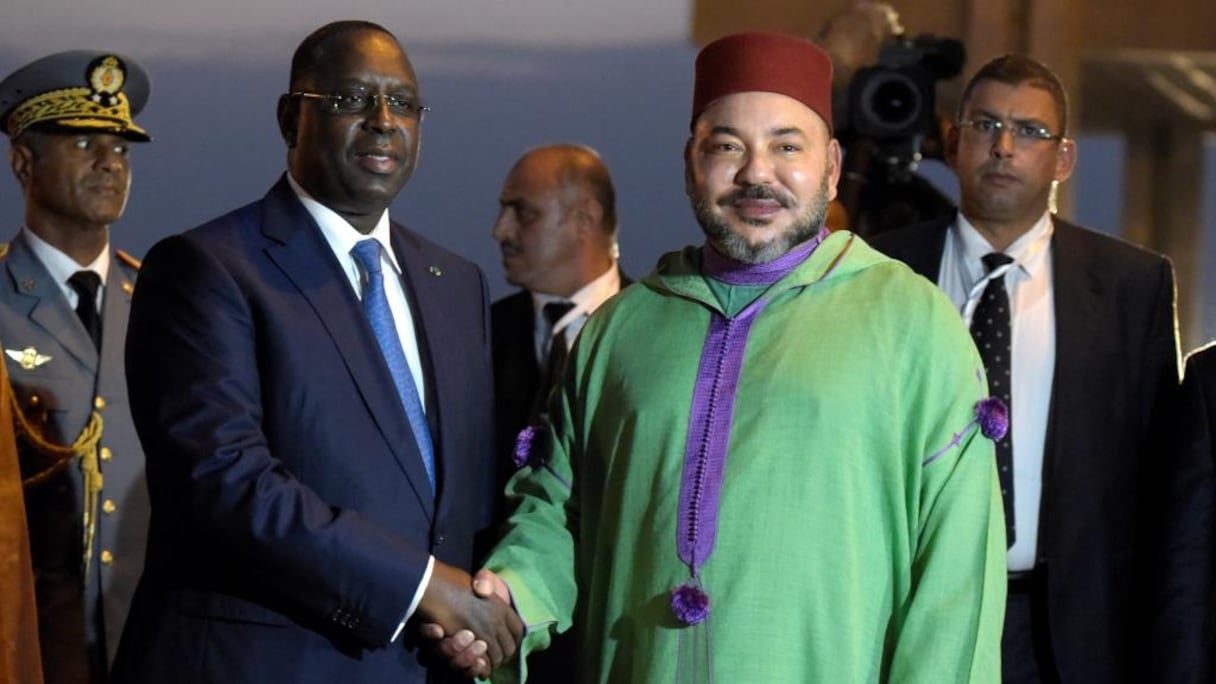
(409, 612)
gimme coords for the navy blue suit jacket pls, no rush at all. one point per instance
(292, 519)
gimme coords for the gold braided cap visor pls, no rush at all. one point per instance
(72, 109)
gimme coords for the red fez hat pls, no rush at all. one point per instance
(768, 62)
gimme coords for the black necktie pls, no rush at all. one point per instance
(558, 351)
(85, 283)
(991, 330)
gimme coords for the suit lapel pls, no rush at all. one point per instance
(1077, 290)
(424, 288)
(115, 312)
(297, 247)
(48, 308)
(920, 247)
(927, 261)
(520, 369)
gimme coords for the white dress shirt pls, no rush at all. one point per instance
(1029, 283)
(341, 237)
(586, 300)
(61, 267)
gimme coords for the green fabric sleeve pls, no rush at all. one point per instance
(536, 554)
(949, 628)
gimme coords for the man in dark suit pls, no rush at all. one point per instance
(557, 231)
(65, 296)
(311, 383)
(1184, 619)
(1078, 334)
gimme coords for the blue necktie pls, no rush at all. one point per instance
(380, 316)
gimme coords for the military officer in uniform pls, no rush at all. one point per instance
(64, 302)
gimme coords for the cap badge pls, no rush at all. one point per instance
(106, 76)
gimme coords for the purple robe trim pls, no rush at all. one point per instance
(992, 418)
(709, 425)
(734, 272)
(713, 407)
(956, 440)
(524, 443)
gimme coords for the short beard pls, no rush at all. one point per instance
(735, 246)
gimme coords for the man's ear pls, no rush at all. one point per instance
(688, 184)
(591, 216)
(21, 159)
(1066, 159)
(835, 159)
(952, 146)
(289, 118)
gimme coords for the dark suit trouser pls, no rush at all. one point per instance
(1026, 655)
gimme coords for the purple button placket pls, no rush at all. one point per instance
(709, 427)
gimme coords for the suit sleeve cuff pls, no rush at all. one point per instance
(409, 612)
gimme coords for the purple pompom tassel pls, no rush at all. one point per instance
(994, 418)
(690, 603)
(523, 446)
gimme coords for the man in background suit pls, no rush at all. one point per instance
(1094, 353)
(312, 385)
(1184, 617)
(64, 302)
(557, 231)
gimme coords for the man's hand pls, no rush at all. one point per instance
(463, 650)
(485, 629)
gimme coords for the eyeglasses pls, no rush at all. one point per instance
(1023, 133)
(359, 102)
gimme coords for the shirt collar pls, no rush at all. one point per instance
(61, 266)
(338, 232)
(1029, 251)
(587, 299)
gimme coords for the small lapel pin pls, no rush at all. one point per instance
(127, 286)
(29, 358)
(28, 285)
(436, 271)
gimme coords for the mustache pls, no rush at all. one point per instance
(103, 181)
(756, 192)
(393, 143)
(997, 166)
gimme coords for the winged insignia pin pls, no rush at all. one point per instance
(29, 358)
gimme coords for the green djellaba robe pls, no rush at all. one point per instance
(849, 528)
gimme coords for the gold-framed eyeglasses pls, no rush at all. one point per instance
(360, 102)
(1024, 133)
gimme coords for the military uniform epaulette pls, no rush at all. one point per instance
(122, 256)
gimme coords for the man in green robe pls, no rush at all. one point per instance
(768, 461)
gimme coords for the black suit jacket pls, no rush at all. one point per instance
(1185, 638)
(292, 519)
(516, 372)
(1116, 365)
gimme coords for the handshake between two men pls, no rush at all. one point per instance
(471, 619)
